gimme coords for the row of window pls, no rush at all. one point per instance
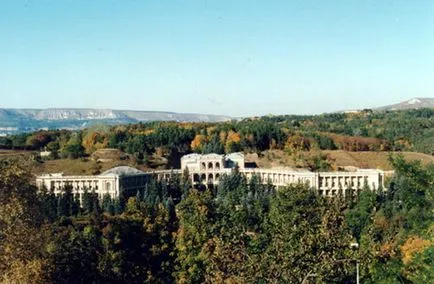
(202, 177)
(347, 183)
(210, 166)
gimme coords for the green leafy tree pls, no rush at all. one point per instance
(196, 219)
(300, 243)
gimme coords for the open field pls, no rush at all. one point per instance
(98, 162)
(14, 153)
(338, 158)
(105, 159)
(373, 160)
(79, 166)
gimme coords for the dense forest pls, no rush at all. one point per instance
(241, 232)
(411, 130)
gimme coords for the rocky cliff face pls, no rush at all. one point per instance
(66, 114)
(33, 119)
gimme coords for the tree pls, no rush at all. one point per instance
(66, 204)
(186, 183)
(73, 149)
(21, 239)
(15, 182)
(197, 143)
(214, 146)
(395, 242)
(360, 216)
(73, 254)
(233, 142)
(300, 227)
(38, 140)
(295, 145)
(94, 140)
(106, 203)
(87, 202)
(196, 216)
(48, 201)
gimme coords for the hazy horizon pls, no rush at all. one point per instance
(206, 113)
(215, 57)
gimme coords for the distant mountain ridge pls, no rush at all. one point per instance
(97, 114)
(414, 103)
(19, 120)
(14, 121)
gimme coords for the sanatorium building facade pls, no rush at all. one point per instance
(207, 170)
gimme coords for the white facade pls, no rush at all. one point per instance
(207, 170)
(110, 182)
(233, 159)
(326, 183)
(100, 184)
(211, 162)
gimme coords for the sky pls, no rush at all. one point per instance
(238, 58)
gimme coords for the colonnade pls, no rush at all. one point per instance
(327, 183)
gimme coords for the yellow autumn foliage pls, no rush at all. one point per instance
(210, 130)
(93, 141)
(233, 137)
(412, 246)
(198, 141)
(222, 136)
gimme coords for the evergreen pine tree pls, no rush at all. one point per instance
(61, 209)
(87, 202)
(75, 205)
(106, 202)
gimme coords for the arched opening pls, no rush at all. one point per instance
(217, 166)
(196, 178)
(203, 178)
(210, 167)
(210, 178)
(203, 166)
(217, 176)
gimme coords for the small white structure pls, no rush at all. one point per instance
(45, 154)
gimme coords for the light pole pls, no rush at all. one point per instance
(356, 246)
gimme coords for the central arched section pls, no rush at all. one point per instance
(210, 166)
(203, 166)
(217, 166)
(210, 178)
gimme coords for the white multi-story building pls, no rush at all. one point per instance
(206, 170)
(110, 182)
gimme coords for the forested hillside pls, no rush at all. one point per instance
(242, 232)
(304, 139)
